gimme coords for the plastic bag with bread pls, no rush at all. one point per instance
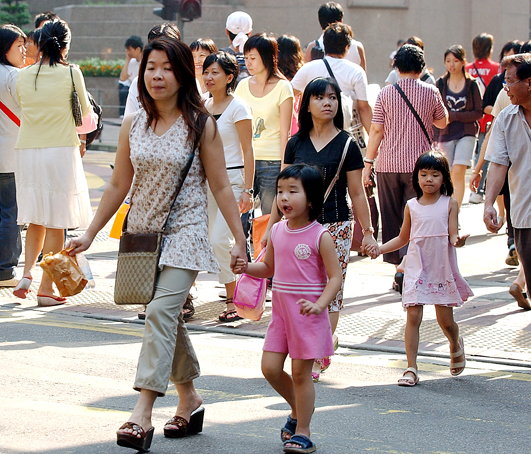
(64, 271)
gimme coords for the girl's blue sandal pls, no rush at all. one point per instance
(289, 429)
(304, 444)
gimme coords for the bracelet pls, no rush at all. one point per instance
(368, 230)
(83, 141)
(369, 161)
(249, 191)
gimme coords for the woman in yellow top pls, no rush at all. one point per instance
(270, 97)
(52, 192)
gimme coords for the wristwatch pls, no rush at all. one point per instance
(368, 229)
(249, 191)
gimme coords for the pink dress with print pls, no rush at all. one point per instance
(299, 273)
(431, 275)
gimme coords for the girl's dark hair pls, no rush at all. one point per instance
(166, 29)
(267, 47)
(312, 182)
(188, 99)
(8, 35)
(458, 52)
(409, 59)
(433, 160)
(482, 46)
(204, 43)
(290, 56)
(55, 36)
(514, 46)
(317, 87)
(227, 63)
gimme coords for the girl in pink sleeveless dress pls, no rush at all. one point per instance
(431, 275)
(307, 277)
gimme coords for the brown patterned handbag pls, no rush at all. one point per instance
(138, 258)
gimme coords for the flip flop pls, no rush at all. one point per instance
(50, 300)
(305, 444)
(461, 365)
(141, 444)
(23, 288)
(407, 381)
(288, 429)
(517, 293)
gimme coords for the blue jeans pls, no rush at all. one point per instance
(265, 177)
(10, 240)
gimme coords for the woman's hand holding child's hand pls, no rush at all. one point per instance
(309, 308)
(372, 250)
(458, 241)
(240, 266)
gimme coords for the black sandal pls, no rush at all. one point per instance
(399, 282)
(229, 315)
(188, 308)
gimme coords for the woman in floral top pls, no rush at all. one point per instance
(153, 147)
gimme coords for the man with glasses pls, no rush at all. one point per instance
(510, 145)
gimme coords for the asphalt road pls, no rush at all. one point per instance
(67, 386)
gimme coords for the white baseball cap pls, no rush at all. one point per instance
(240, 24)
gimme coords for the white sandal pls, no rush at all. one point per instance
(407, 381)
(461, 365)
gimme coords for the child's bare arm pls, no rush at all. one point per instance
(327, 250)
(453, 225)
(402, 239)
(263, 269)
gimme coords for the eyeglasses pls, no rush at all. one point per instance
(506, 85)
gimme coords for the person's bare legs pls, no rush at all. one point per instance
(445, 318)
(189, 400)
(304, 395)
(33, 247)
(53, 242)
(230, 287)
(458, 179)
(412, 337)
(279, 379)
(141, 414)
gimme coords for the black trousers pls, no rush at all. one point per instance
(522, 239)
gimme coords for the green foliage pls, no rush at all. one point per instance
(96, 67)
(14, 12)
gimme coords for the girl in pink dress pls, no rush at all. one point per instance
(307, 276)
(431, 275)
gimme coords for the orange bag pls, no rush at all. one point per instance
(259, 228)
(64, 271)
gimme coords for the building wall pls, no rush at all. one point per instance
(101, 30)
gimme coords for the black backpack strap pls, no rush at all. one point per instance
(479, 75)
(417, 117)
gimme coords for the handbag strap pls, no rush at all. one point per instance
(479, 75)
(417, 117)
(184, 173)
(9, 113)
(72, 77)
(336, 177)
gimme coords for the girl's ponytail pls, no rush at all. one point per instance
(54, 38)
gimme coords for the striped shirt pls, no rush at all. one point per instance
(404, 141)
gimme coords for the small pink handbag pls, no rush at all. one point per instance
(250, 294)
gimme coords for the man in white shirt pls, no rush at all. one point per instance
(133, 55)
(510, 143)
(350, 77)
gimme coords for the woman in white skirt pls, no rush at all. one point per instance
(52, 192)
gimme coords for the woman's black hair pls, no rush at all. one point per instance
(204, 43)
(55, 37)
(317, 87)
(267, 47)
(312, 182)
(290, 56)
(409, 59)
(188, 100)
(228, 63)
(8, 35)
(433, 160)
(514, 46)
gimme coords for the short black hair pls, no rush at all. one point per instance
(482, 46)
(204, 43)
(329, 13)
(522, 63)
(135, 42)
(433, 160)
(227, 63)
(409, 59)
(312, 182)
(166, 29)
(43, 17)
(337, 38)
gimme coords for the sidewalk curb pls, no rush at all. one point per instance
(365, 347)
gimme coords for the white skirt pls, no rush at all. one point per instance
(52, 190)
